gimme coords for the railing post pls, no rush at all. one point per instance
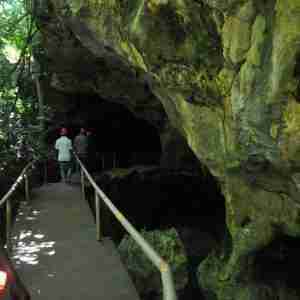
(98, 223)
(82, 184)
(8, 224)
(26, 188)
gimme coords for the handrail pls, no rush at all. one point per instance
(6, 199)
(164, 268)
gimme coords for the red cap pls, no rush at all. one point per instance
(63, 131)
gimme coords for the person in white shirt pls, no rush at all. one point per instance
(64, 147)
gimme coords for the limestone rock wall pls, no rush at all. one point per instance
(225, 75)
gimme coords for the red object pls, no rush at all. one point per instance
(63, 131)
(3, 280)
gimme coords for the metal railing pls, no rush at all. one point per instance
(6, 199)
(164, 268)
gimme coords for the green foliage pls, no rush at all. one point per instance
(144, 274)
(20, 130)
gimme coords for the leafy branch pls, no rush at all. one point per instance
(19, 130)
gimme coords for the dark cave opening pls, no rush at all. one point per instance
(297, 76)
(162, 199)
(122, 140)
(279, 263)
(118, 131)
(150, 196)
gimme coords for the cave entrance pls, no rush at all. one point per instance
(161, 197)
(122, 140)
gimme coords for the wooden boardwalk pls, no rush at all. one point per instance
(56, 253)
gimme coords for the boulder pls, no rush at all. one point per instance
(144, 274)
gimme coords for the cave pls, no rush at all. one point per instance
(279, 263)
(160, 199)
(116, 130)
(122, 140)
(151, 195)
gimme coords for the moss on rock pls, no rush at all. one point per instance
(145, 275)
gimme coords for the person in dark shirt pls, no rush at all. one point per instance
(80, 147)
(91, 151)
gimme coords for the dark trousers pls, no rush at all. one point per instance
(65, 168)
(83, 159)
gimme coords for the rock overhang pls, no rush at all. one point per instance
(222, 72)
